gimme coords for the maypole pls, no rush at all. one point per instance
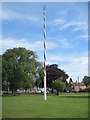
(45, 97)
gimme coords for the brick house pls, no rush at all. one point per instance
(76, 86)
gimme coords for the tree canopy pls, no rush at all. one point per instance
(19, 68)
(53, 73)
(58, 85)
(86, 80)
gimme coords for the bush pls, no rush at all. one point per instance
(85, 90)
(88, 89)
(59, 86)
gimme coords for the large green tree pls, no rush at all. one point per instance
(19, 68)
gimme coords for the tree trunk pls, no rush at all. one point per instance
(57, 92)
(52, 90)
(8, 89)
(25, 91)
(12, 91)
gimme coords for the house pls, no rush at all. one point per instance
(76, 86)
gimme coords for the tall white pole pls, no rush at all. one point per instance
(45, 96)
(78, 84)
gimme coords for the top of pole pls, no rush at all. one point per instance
(44, 12)
(44, 7)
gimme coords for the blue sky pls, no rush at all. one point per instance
(66, 33)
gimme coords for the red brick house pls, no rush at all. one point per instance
(76, 86)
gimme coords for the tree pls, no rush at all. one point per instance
(53, 73)
(40, 75)
(70, 80)
(19, 68)
(58, 85)
(27, 82)
(88, 88)
(86, 80)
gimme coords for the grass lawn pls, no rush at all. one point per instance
(33, 106)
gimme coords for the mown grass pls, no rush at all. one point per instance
(33, 106)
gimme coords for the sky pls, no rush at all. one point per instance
(66, 33)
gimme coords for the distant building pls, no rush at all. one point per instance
(76, 86)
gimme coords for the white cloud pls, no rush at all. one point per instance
(55, 58)
(59, 41)
(64, 24)
(12, 15)
(51, 45)
(77, 69)
(63, 12)
(81, 26)
(80, 60)
(58, 21)
(66, 20)
(77, 26)
(77, 23)
(70, 59)
(85, 37)
(74, 65)
(11, 43)
(35, 46)
(65, 43)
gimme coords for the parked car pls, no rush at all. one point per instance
(42, 90)
(32, 91)
(28, 91)
(37, 91)
(20, 91)
(47, 91)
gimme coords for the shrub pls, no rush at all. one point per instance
(58, 86)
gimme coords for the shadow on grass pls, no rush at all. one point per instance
(71, 96)
(16, 95)
(62, 96)
(74, 96)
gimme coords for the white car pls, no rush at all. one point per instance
(21, 91)
(41, 89)
(37, 91)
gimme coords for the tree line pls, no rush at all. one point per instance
(21, 69)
